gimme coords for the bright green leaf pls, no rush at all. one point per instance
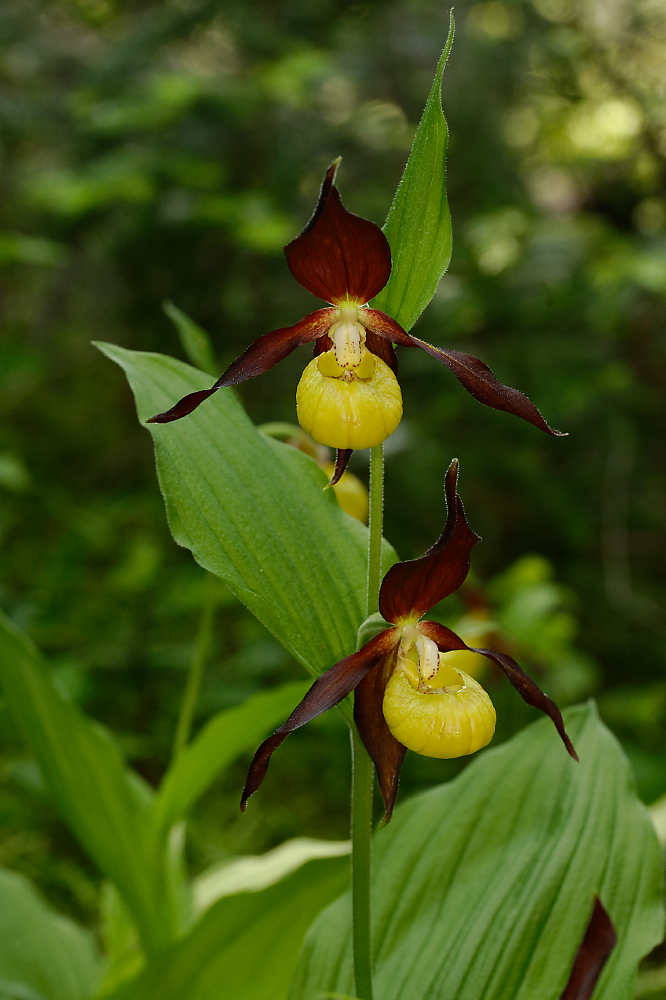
(106, 806)
(245, 946)
(255, 512)
(194, 340)
(42, 954)
(228, 734)
(483, 887)
(418, 226)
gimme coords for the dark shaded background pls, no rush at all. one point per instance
(167, 152)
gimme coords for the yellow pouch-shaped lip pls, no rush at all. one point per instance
(348, 411)
(451, 716)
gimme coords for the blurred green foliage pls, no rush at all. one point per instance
(166, 151)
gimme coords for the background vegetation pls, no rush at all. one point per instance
(167, 152)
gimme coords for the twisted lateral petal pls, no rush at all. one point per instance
(528, 690)
(342, 457)
(472, 373)
(327, 691)
(411, 588)
(261, 355)
(339, 255)
(595, 948)
(386, 752)
(382, 348)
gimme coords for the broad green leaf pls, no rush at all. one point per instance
(245, 946)
(42, 954)
(418, 226)
(255, 872)
(106, 806)
(194, 340)
(228, 734)
(255, 512)
(484, 887)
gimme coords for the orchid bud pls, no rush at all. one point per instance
(350, 492)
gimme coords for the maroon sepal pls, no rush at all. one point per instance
(595, 948)
(382, 348)
(261, 355)
(339, 255)
(327, 691)
(412, 588)
(386, 752)
(342, 457)
(322, 344)
(528, 690)
(472, 373)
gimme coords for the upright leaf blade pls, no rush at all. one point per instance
(418, 226)
(194, 340)
(229, 733)
(245, 946)
(255, 512)
(42, 954)
(483, 887)
(107, 807)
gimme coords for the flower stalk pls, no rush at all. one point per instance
(362, 766)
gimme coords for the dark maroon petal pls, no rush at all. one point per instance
(258, 358)
(327, 691)
(339, 255)
(323, 343)
(382, 348)
(528, 690)
(599, 940)
(412, 588)
(386, 752)
(342, 457)
(473, 374)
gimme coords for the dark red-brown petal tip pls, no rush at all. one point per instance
(529, 691)
(595, 948)
(386, 752)
(261, 355)
(327, 691)
(472, 373)
(342, 457)
(339, 255)
(411, 588)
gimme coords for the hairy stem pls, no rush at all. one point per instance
(362, 769)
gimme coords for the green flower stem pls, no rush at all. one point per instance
(195, 672)
(362, 768)
(361, 829)
(375, 527)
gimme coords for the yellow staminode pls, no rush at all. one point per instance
(449, 715)
(350, 407)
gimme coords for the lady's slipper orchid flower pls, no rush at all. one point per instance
(348, 396)
(406, 697)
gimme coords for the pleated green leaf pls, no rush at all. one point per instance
(229, 733)
(245, 946)
(255, 512)
(484, 887)
(418, 226)
(43, 955)
(106, 806)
